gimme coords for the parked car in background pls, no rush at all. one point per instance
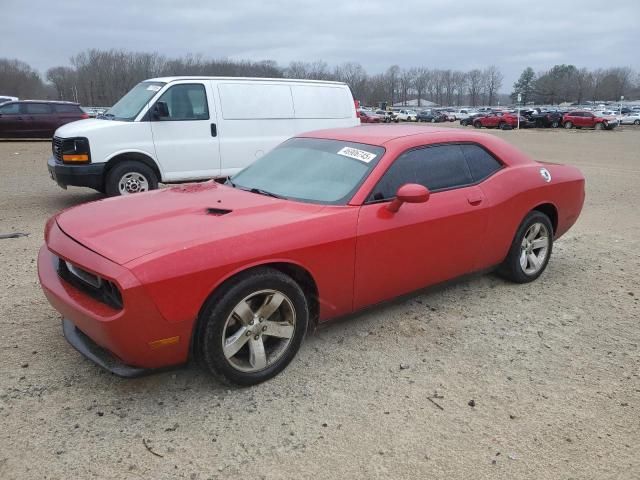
(367, 116)
(407, 115)
(432, 116)
(471, 117)
(585, 119)
(387, 116)
(36, 118)
(94, 112)
(502, 120)
(325, 225)
(544, 119)
(463, 113)
(630, 119)
(176, 129)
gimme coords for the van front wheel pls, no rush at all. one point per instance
(130, 177)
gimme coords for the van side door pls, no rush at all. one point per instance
(185, 132)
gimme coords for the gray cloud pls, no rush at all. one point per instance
(462, 35)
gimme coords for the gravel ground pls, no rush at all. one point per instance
(478, 379)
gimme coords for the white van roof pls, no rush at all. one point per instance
(250, 79)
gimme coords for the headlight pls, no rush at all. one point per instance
(76, 150)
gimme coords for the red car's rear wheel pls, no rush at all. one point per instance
(253, 327)
(531, 249)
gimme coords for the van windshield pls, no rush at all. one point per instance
(129, 106)
(310, 170)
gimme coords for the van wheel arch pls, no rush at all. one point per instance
(135, 157)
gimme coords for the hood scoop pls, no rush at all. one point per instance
(217, 212)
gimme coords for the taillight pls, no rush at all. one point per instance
(84, 115)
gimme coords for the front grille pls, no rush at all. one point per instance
(96, 287)
(56, 148)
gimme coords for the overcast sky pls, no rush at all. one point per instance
(459, 34)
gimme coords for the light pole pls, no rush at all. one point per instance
(519, 100)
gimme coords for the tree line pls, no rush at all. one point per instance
(567, 83)
(100, 77)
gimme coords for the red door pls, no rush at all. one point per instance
(421, 244)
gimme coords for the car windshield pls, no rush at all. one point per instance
(129, 106)
(311, 170)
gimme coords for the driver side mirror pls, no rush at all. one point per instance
(409, 193)
(160, 110)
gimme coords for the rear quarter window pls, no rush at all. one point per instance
(481, 163)
(61, 108)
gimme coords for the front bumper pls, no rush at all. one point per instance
(97, 354)
(89, 175)
(124, 341)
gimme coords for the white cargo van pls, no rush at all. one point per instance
(178, 129)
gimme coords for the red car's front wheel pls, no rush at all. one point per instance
(253, 327)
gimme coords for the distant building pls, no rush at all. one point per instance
(414, 103)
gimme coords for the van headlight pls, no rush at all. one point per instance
(75, 150)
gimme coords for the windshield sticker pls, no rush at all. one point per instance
(154, 88)
(361, 155)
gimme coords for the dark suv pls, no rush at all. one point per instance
(36, 118)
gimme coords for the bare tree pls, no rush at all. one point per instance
(493, 82)
(460, 85)
(392, 75)
(420, 83)
(19, 80)
(474, 86)
(407, 78)
(354, 75)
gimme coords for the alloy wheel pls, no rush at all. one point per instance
(258, 331)
(534, 248)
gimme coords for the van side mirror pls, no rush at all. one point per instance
(409, 193)
(160, 110)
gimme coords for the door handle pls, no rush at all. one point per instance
(214, 130)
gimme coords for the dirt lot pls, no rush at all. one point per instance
(553, 367)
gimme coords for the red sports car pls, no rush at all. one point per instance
(370, 117)
(502, 120)
(324, 225)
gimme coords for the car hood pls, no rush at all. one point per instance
(81, 128)
(123, 229)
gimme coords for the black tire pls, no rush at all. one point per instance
(502, 126)
(218, 308)
(599, 126)
(568, 125)
(555, 124)
(114, 176)
(477, 125)
(511, 268)
(637, 122)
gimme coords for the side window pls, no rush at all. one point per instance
(64, 108)
(437, 168)
(481, 163)
(186, 102)
(36, 108)
(11, 109)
